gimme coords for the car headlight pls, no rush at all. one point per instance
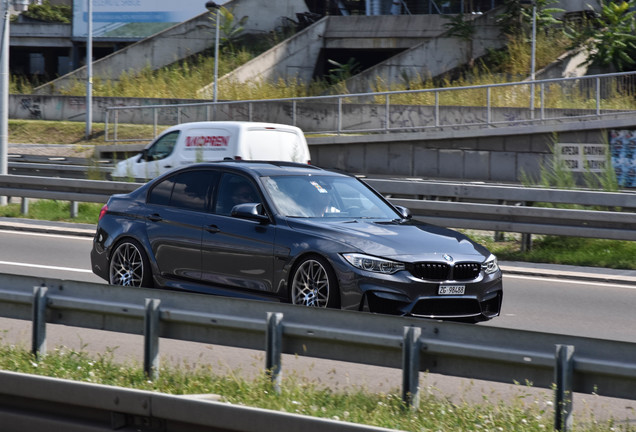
(373, 264)
(490, 265)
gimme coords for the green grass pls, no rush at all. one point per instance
(616, 254)
(523, 412)
(53, 210)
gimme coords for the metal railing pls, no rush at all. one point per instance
(606, 215)
(573, 364)
(480, 106)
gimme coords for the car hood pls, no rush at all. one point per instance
(408, 241)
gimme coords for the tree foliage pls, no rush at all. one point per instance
(230, 29)
(611, 36)
(50, 13)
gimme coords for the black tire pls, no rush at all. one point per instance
(129, 265)
(314, 284)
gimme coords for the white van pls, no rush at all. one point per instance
(189, 143)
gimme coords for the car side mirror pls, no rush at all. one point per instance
(252, 211)
(404, 212)
(143, 156)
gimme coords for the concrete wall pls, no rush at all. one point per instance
(505, 155)
(296, 57)
(431, 58)
(180, 41)
(502, 153)
(293, 58)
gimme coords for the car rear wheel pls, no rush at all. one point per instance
(129, 265)
(314, 284)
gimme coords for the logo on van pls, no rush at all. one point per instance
(207, 141)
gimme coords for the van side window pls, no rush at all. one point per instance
(190, 190)
(163, 147)
(234, 189)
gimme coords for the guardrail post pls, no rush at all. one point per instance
(38, 339)
(74, 209)
(274, 348)
(24, 206)
(563, 379)
(151, 338)
(526, 242)
(411, 366)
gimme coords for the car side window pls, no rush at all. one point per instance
(234, 189)
(189, 190)
(163, 147)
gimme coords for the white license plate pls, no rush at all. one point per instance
(451, 289)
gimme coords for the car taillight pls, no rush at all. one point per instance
(238, 158)
(103, 211)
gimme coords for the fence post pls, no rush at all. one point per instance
(151, 338)
(38, 339)
(411, 366)
(24, 206)
(274, 347)
(563, 378)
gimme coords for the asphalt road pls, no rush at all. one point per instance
(540, 300)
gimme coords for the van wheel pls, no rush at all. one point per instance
(314, 284)
(129, 265)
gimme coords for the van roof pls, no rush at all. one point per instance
(232, 124)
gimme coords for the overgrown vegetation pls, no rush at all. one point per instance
(48, 12)
(606, 34)
(299, 395)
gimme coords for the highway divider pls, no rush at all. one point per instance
(501, 208)
(567, 363)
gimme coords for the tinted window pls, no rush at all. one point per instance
(191, 190)
(160, 194)
(187, 190)
(234, 189)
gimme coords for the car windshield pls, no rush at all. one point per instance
(325, 197)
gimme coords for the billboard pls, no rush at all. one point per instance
(623, 147)
(132, 19)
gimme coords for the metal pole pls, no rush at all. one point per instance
(533, 56)
(216, 57)
(4, 95)
(89, 72)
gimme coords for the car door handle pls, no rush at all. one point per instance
(167, 166)
(155, 217)
(212, 229)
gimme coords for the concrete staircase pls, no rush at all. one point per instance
(179, 42)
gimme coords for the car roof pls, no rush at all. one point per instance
(270, 168)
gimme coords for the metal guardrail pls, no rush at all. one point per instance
(506, 104)
(608, 215)
(573, 364)
(40, 404)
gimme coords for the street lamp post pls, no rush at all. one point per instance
(19, 5)
(213, 7)
(532, 3)
(89, 73)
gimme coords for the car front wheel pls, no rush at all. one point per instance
(314, 284)
(129, 266)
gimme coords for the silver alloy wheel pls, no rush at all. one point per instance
(310, 286)
(127, 266)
